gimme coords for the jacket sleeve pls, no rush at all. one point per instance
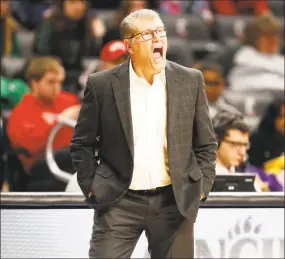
(204, 142)
(85, 139)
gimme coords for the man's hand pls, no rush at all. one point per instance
(202, 196)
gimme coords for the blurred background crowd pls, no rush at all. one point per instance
(49, 47)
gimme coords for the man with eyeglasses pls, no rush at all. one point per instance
(233, 134)
(149, 119)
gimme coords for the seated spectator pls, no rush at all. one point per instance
(175, 7)
(209, 8)
(214, 80)
(32, 120)
(232, 134)
(9, 28)
(258, 63)
(111, 55)
(29, 13)
(267, 146)
(69, 33)
(125, 8)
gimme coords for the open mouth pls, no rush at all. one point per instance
(158, 52)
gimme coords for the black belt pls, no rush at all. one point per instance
(151, 192)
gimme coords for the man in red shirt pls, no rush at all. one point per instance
(32, 120)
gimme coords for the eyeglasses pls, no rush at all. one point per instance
(149, 34)
(236, 144)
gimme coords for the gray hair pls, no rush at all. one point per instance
(127, 25)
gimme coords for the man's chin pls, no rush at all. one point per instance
(237, 164)
(159, 65)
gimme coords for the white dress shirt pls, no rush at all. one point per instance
(148, 107)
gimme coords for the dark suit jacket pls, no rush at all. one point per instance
(105, 123)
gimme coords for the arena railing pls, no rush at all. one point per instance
(58, 173)
(225, 199)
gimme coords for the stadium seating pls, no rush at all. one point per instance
(277, 7)
(227, 27)
(180, 51)
(26, 39)
(251, 102)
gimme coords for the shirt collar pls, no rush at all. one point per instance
(221, 169)
(157, 77)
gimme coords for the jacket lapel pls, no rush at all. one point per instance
(173, 80)
(121, 90)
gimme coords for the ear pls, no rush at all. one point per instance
(33, 85)
(128, 45)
